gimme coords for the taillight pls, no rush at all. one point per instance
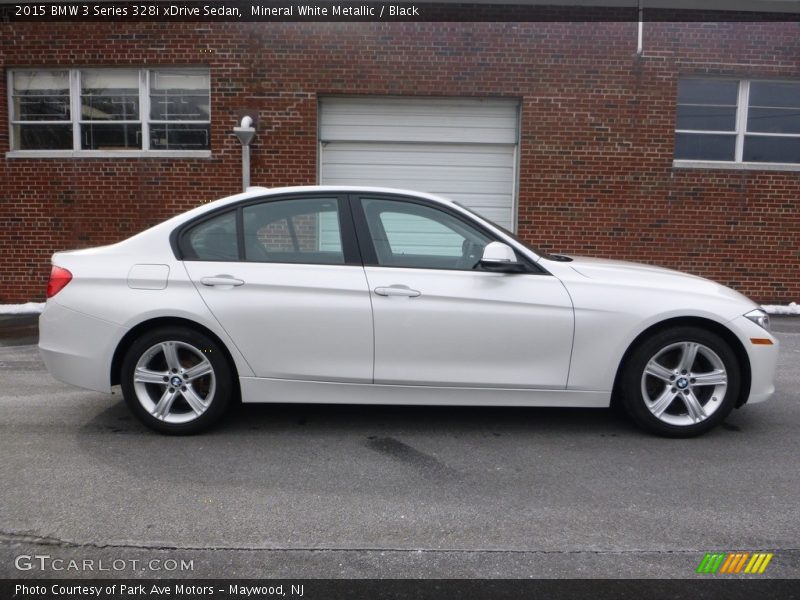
(59, 278)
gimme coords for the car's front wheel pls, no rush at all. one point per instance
(681, 382)
(176, 380)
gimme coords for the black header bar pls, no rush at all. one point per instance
(348, 11)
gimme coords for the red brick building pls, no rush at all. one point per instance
(686, 154)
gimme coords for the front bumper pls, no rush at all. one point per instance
(763, 358)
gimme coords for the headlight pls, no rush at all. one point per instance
(759, 317)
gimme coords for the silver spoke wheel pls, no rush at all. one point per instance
(684, 383)
(174, 382)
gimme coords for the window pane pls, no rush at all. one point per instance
(775, 93)
(179, 95)
(42, 137)
(773, 120)
(40, 96)
(214, 239)
(700, 146)
(110, 94)
(294, 231)
(708, 118)
(164, 136)
(708, 91)
(706, 105)
(103, 136)
(406, 234)
(758, 148)
(415, 234)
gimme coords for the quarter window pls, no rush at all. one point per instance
(214, 239)
(110, 109)
(738, 121)
(407, 234)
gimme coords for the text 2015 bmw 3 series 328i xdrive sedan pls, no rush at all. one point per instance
(379, 296)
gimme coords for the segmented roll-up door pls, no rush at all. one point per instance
(463, 149)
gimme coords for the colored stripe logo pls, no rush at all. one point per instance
(735, 562)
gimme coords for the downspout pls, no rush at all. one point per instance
(639, 41)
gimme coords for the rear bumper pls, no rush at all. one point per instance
(77, 348)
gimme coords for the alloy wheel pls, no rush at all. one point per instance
(174, 381)
(684, 383)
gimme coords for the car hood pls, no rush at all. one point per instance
(602, 268)
(631, 274)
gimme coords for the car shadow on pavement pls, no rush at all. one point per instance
(433, 419)
(367, 419)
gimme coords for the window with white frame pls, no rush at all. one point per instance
(738, 121)
(110, 109)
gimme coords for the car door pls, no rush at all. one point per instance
(284, 279)
(439, 319)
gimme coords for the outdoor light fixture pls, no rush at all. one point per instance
(245, 132)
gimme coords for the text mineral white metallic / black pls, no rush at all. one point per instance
(380, 296)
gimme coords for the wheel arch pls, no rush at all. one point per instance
(736, 346)
(126, 341)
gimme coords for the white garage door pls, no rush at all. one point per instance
(463, 149)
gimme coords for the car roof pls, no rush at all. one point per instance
(260, 192)
(254, 192)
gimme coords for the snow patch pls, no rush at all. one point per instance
(22, 309)
(782, 309)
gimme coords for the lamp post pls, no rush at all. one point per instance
(245, 132)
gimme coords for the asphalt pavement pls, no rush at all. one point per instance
(318, 491)
(19, 330)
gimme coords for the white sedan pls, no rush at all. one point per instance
(378, 296)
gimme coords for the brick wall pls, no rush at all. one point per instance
(596, 174)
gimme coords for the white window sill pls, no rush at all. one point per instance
(734, 166)
(121, 154)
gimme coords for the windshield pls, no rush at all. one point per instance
(530, 247)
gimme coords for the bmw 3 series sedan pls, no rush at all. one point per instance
(378, 296)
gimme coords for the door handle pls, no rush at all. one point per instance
(221, 280)
(397, 290)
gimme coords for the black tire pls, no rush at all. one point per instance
(673, 390)
(196, 404)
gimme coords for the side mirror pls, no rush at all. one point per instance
(500, 258)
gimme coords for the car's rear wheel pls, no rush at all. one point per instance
(681, 382)
(176, 380)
